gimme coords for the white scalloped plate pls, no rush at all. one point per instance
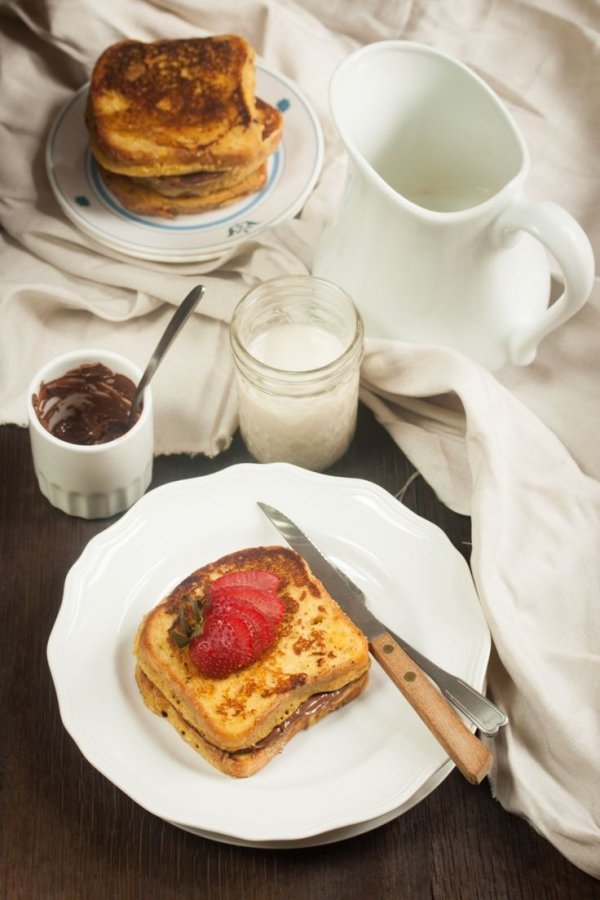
(359, 767)
(293, 170)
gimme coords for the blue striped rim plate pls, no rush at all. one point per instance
(293, 171)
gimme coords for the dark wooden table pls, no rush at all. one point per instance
(67, 832)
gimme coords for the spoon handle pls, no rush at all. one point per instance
(185, 308)
(474, 705)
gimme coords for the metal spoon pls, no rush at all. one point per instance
(118, 429)
(175, 325)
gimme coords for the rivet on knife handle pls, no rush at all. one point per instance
(484, 714)
(473, 759)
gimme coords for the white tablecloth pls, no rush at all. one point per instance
(517, 451)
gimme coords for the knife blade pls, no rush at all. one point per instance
(472, 758)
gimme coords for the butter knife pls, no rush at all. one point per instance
(474, 705)
(472, 758)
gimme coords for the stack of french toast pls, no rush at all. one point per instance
(175, 126)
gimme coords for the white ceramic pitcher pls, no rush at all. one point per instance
(434, 237)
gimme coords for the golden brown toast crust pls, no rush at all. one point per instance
(146, 201)
(244, 763)
(169, 107)
(197, 192)
(318, 650)
(202, 183)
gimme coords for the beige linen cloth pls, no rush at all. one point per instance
(517, 451)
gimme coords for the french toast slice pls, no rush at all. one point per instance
(204, 182)
(196, 192)
(319, 662)
(147, 201)
(174, 106)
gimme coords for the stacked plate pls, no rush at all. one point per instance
(293, 171)
(360, 767)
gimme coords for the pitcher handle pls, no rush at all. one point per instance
(564, 238)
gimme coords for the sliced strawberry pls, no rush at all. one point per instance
(238, 624)
(224, 646)
(269, 603)
(256, 578)
(262, 628)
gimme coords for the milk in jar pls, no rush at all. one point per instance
(297, 344)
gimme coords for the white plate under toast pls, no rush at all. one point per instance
(361, 766)
(293, 171)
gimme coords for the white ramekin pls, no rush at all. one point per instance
(98, 480)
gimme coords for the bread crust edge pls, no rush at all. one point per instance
(241, 763)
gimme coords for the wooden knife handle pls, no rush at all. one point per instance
(472, 758)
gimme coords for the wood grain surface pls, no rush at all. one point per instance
(66, 832)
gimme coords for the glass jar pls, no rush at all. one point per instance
(297, 345)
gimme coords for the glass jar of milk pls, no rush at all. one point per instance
(297, 344)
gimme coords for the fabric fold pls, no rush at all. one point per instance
(517, 451)
(535, 539)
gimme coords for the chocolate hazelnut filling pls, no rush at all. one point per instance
(87, 405)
